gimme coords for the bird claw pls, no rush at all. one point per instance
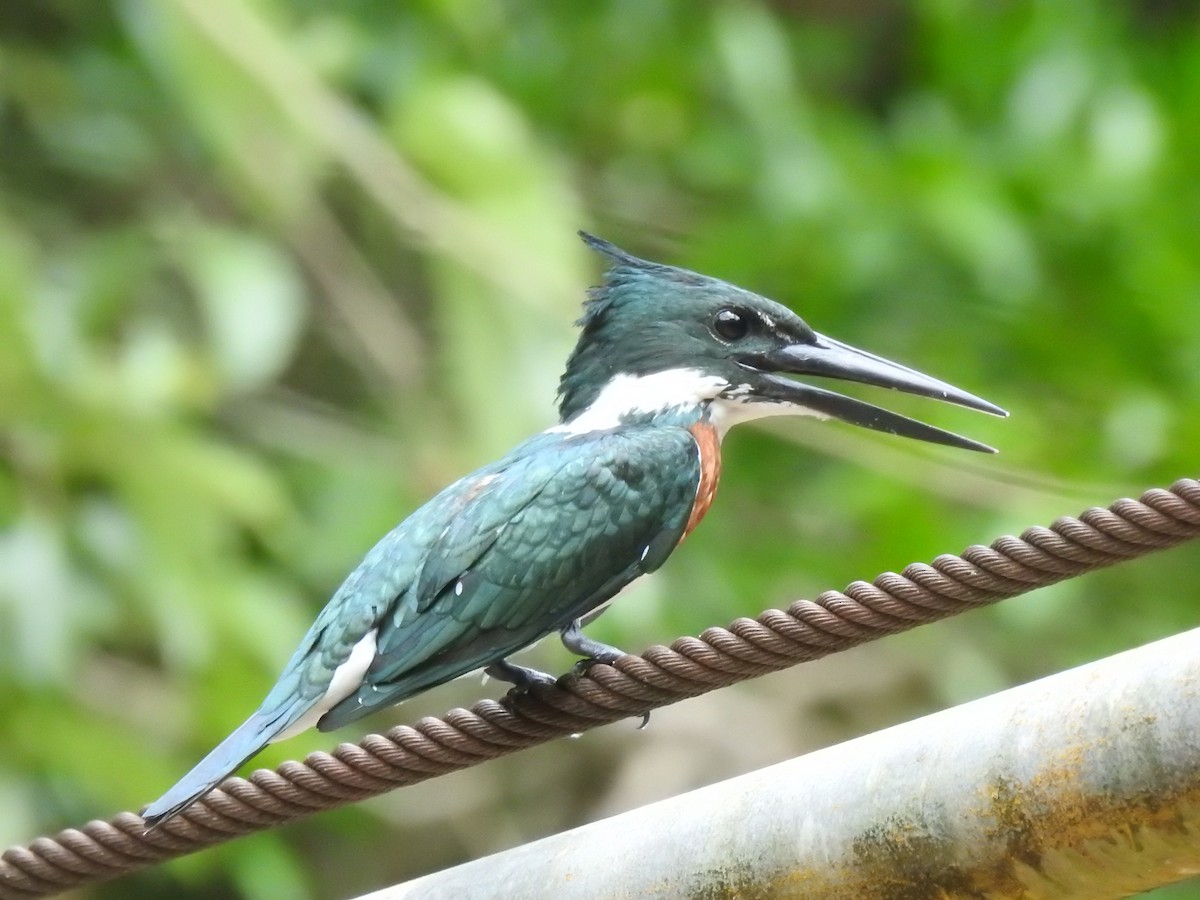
(591, 650)
(522, 678)
(583, 666)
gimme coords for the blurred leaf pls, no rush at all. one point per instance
(253, 301)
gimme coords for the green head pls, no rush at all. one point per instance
(656, 338)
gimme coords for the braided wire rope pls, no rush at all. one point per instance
(774, 640)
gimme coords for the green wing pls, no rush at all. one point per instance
(541, 540)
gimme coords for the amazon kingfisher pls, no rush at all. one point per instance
(541, 540)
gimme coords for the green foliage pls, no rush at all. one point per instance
(272, 273)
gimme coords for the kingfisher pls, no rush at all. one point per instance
(541, 540)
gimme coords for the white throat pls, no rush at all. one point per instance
(632, 395)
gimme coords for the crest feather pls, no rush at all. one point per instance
(625, 270)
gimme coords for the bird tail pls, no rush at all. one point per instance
(246, 741)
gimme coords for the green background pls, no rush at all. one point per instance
(272, 273)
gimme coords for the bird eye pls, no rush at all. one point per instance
(730, 324)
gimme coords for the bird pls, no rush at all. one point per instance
(540, 541)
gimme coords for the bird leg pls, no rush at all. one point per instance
(592, 652)
(522, 677)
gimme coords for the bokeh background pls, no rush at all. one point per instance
(272, 273)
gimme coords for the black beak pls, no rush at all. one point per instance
(828, 358)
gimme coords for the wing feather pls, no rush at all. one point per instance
(545, 540)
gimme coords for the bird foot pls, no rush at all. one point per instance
(522, 678)
(582, 666)
(593, 652)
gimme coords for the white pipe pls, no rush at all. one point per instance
(1084, 784)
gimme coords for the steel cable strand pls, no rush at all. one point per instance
(774, 639)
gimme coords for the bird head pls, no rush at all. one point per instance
(657, 338)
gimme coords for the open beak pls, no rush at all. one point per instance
(828, 358)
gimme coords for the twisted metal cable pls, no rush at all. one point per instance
(775, 639)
